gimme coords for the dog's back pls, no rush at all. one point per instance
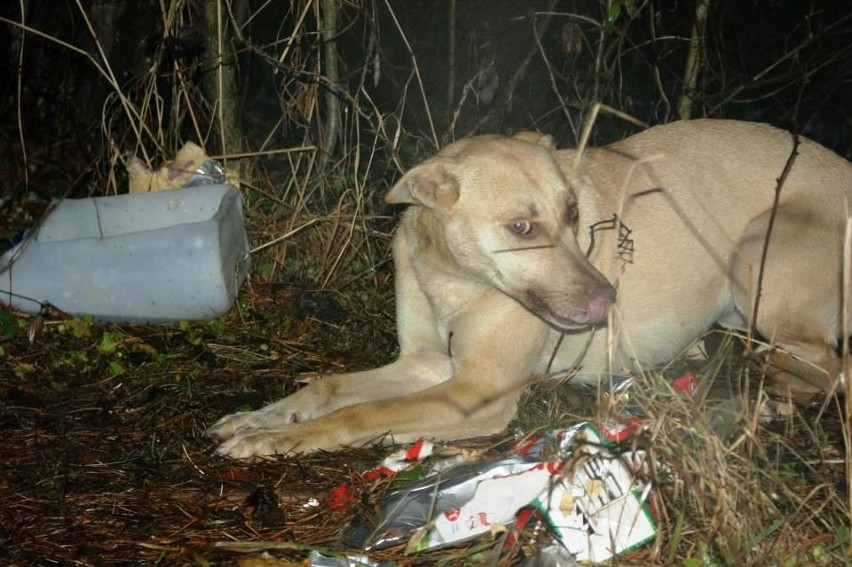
(695, 198)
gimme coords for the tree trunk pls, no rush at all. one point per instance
(219, 85)
(332, 75)
(693, 59)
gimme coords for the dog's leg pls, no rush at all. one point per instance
(494, 349)
(408, 374)
(800, 295)
(424, 361)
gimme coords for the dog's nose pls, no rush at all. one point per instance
(599, 303)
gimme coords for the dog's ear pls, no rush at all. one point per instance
(543, 140)
(431, 184)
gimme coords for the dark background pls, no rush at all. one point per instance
(531, 64)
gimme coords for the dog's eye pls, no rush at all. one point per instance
(523, 228)
(572, 214)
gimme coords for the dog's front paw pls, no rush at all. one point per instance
(283, 412)
(251, 445)
(269, 417)
(229, 425)
(295, 438)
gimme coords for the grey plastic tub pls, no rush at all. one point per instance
(146, 257)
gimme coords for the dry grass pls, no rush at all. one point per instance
(104, 462)
(738, 484)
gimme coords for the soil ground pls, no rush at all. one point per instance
(103, 460)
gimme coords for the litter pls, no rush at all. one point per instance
(147, 257)
(590, 495)
(190, 168)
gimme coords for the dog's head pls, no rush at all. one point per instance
(510, 220)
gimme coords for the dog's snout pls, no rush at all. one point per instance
(605, 293)
(599, 303)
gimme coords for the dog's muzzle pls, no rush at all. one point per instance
(594, 311)
(597, 307)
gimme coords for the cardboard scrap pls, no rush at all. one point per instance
(602, 509)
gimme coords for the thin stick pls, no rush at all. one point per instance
(451, 56)
(288, 235)
(690, 73)
(20, 77)
(263, 153)
(587, 132)
(220, 79)
(417, 73)
(773, 213)
(845, 362)
(104, 70)
(792, 54)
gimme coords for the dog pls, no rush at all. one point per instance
(515, 260)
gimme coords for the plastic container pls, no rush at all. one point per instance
(146, 257)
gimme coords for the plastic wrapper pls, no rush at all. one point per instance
(317, 559)
(554, 555)
(588, 495)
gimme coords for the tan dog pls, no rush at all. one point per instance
(492, 268)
